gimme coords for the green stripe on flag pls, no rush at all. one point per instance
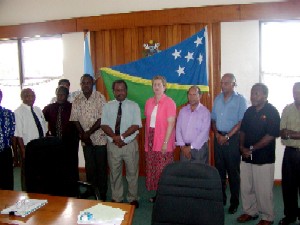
(139, 90)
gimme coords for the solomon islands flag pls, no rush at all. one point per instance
(183, 65)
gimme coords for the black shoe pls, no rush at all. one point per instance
(286, 221)
(135, 203)
(232, 209)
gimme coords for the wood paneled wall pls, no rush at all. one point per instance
(119, 46)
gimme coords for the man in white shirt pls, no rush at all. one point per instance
(27, 127)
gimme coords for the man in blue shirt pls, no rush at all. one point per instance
(7, 129)
(227, 113)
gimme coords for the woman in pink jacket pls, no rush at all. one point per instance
(160, 112)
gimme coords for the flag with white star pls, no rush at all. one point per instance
(183, 65)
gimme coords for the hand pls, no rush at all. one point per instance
(221, 139)
(118, 141)
(120, 145)
(246, 153)
(186, 150)
(86, 138)
(164, 148)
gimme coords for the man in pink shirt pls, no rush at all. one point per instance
(192, 129)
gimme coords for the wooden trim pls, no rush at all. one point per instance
(210, 14)
(42, 29)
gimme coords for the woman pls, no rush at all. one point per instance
(160, 112)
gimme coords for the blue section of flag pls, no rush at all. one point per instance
(184, 63)
(88, 66)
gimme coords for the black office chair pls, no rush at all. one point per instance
(189, 194)
(47, 171)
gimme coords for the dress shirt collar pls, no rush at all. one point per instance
(82, 96)
(196, 109)
(26, 106)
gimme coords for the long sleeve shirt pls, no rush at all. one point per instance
(192, 127)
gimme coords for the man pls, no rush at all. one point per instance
(227, 113)
(87, 112)
(7, 129)
(57, 115)
(259, 129)
(121, 121)
(290, 136)
(30, 125)
(192, 129)
(66, 83)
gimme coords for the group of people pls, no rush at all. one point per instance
(244, 140)
(244, 151)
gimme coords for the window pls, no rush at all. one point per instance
(280, 53)
(42, 67)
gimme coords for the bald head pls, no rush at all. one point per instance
(28, 96)
(296, 93)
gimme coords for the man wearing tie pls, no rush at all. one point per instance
(121, 121)
(59, 125)
(30, 125)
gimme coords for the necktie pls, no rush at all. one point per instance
(118, 120)
(37, 123)
(58, 122)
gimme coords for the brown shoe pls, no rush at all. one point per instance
(265, 222)
(245, 218)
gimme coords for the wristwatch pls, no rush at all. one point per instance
(251, 148)
(122, 138)
(227, 137)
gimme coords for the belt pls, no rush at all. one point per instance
(294, 148)
(223, 133)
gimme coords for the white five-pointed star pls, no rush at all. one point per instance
(198, 41)
(180, 71)
(189, 56)
(200, 58)
(176, 54)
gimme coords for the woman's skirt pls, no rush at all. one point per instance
(155, 162)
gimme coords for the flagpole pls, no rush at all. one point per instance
(88, 65)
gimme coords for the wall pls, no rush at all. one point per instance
(15, 11)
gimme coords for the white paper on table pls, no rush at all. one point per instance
(103, 215)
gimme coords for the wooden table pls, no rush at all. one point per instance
(58, 210)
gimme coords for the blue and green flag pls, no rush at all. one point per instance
(183, 65)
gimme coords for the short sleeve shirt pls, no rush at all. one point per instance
(131, 115)
(256, 125)
(290, 120)
(228, 114)
(87, 112)
(25, 125)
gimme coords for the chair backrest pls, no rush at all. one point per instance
(46, 168)
(189, 193)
